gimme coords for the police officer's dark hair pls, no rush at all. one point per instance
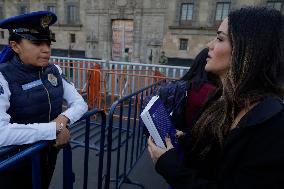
(14, 37)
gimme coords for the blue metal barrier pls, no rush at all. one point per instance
(33, 152)
(131, 142)
(86, 145)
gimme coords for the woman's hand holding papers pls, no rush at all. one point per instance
(155, 151)
(179, 134)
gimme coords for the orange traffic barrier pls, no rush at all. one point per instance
(158, 75)
(94, 87)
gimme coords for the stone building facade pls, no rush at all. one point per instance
(131, 30)
(191, 24)
(69, 29)
(145, 22)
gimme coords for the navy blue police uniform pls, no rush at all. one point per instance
(36, 93)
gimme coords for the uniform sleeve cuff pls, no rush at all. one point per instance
(47, 131)
(66, 114)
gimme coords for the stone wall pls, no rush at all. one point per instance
(156, 25)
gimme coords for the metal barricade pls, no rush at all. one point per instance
(127, 136)
(32, 152)
(68, 178)
(169, 71)
(91, 129)
(102, 86)
(103, 81)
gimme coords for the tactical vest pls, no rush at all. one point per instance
(36, 93)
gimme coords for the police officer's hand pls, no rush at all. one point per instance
(62, 133)
(61, 119)
(62, 138)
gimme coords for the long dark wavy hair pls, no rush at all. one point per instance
(254, 73)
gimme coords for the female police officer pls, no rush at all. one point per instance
(31, 95)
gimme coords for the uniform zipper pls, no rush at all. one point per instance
(49, 113)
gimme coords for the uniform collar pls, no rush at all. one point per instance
(28, 68)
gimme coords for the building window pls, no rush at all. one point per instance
(183, 44)
(51, 8)
(274, 4)
(22, 9)
(72, 14)
(186, 12)
(72, 38)
(222, 11)
(2, 34)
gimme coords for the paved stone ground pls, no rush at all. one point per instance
(143, 173)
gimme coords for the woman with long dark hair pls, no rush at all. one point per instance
(237, 142)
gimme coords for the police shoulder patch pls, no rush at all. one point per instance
(52, 79)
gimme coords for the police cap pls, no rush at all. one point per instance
(32, 26)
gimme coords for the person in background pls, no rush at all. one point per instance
(163, 59)
(126, 57)
(32, 92)
(201, 85)
(237, 142)
(184, 98)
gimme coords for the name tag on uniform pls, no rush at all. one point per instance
(31, 84)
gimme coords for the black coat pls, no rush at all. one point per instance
(252, 156)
